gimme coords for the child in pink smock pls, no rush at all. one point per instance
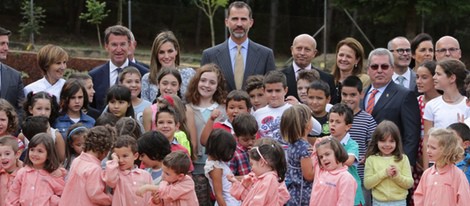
(265, 184)
(41, 181)
(333, 184)
(122, 175)
(177, 187)
(85, 185)
(443, 183)
(9, 154)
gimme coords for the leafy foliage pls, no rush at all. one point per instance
(32, 22)
(209, 7)
(95, 15)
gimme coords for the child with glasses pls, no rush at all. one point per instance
(265, 185)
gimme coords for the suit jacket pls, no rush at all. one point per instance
(259, 60)
(292, 83)
(412, 80)
(100, 76)
(11, 87)
(400, 106)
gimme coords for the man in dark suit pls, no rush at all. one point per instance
(11, 84)
(117, 41)
(403, 74)
(385, 100)
(253, 58)
(303, 50)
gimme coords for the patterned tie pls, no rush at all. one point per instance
(239, 70)
(371, 101)
(401, 79)
(118, 70)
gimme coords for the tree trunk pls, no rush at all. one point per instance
(273, 23)
(410, 23)
(211, 23)
(197, 37)
(119, 14)
(99, 36)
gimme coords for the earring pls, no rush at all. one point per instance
(355, 65)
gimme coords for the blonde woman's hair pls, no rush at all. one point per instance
(452, 150)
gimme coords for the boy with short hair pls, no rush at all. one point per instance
(304, 79)
(245, 128)
(237, 102)
(255, 89)
(153, 146)
(10, 154)
(177, 187)
(463, 132)
(363, 123)
(269, 117)
(340, 120)
(318, 97)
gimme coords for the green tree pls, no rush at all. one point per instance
(33, 21)
(209, 7)
(95, 15)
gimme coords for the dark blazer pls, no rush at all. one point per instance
(292, 83)
(259, 60)
(400, 106)
(11, 88)
(100, 76)
(142, 64)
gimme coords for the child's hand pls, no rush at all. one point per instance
(114, 157)
(390, 171)
(141, 191)
(395, 171)
(248, 180)
(156, 198)
(292, 100)
(215, 114)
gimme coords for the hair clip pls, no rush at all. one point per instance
(169, 99)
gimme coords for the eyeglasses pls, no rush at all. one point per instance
(376, 66)
(444, 50)
(401, 51)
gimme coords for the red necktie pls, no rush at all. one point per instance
(371, 101)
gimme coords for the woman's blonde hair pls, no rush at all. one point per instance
(452, 150)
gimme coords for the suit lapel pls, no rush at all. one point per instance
(251, 59)
(3, 87)
(385, 98)
(225, 63)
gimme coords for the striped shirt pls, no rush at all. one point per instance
(361, 131)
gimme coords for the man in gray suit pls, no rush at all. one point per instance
(238, 57)
(401, 50)
(11, 85)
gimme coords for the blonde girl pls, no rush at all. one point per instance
(444, 110)
(387, 170)
(443, 183)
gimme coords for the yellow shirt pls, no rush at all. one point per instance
(385, 188)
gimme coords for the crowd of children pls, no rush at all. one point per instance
(253, 147)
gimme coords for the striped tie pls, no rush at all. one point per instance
(371, 101)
